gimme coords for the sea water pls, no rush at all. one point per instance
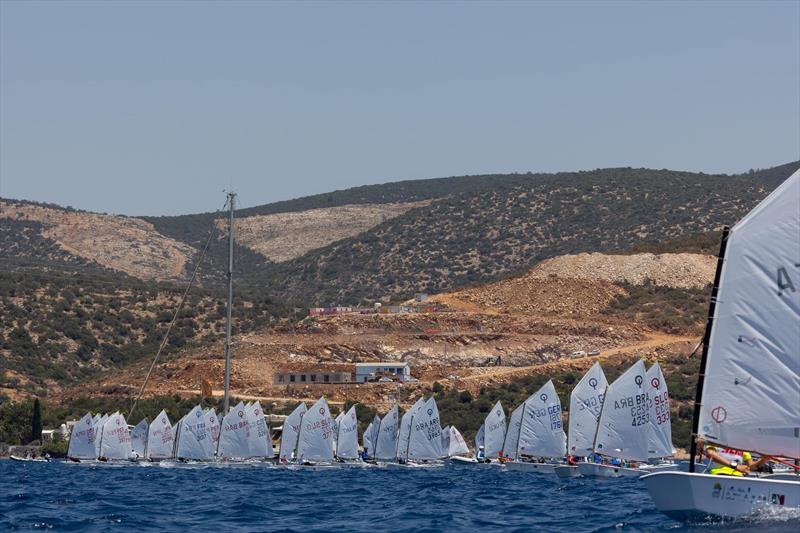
(72, 497)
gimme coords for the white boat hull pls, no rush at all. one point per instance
(471, 461)
(685, 496)
(601, 470)
(541, 468)
(565, 471)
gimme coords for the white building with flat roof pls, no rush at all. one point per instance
(395, 370)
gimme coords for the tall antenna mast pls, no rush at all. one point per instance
(231, 204)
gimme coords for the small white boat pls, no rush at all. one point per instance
(566, 471)
(29, 459)
(471, 461)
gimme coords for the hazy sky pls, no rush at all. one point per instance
(154, 108)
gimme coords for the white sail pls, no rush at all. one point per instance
(585, 404)
(234, 436)
(366, 440)
(445, 441)
(212, 428)
(660, 435)
(752, 375)
(494, 431)
(371, 436)
(625, 417)
(194, 441)
(291, 429)
(315, 442)
(479, 438)
(160, 437)
(258, 439)
(116, 441)
(139, 438)
(405, 429)
(425, 440)
(347, 442)
(511, 442)
(386, 444)
(335, 430)
(82, 439)
(542, 431)
(98, 432)
(458, 446)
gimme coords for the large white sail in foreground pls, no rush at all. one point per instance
(139, 438)
(625, 418)
(315, 442)
(194, 441)
(291, 429)
(116, 440)
(82, 439)
(494, 431)
(386, 444)
(542, 431)
(660, 435)
(160, 437)
(347, 442)
(752, 375)
(425, 440)
(585, 404)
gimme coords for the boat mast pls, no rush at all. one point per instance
(712, 304)
(231, 205)
(519, 433)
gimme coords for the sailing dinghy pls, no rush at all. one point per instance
(139, 439)
(115, 439)
(315, 441)
(456, 445)
(386, 443)
(424, 445)
(749, 379)
(347, 439)
(405, 431)
(289, 434)
(624, 426)
(659, 437)
(370, 437)
(585, 404)
(540, 436)
(82, 440)
(489, 440)
(160, 438)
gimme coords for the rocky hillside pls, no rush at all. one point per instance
(485, 234)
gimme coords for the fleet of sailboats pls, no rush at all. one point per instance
(750, 371)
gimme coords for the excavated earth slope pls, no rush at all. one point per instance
(126, 244)
(284, 236)
(679, 271)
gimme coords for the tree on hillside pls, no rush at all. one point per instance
(36, 422)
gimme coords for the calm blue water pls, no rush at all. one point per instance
(66, 497)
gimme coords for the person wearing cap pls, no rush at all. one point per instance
(481, 455)
(729, 462)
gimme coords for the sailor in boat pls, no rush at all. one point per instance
(481, 455)
(730, 462)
